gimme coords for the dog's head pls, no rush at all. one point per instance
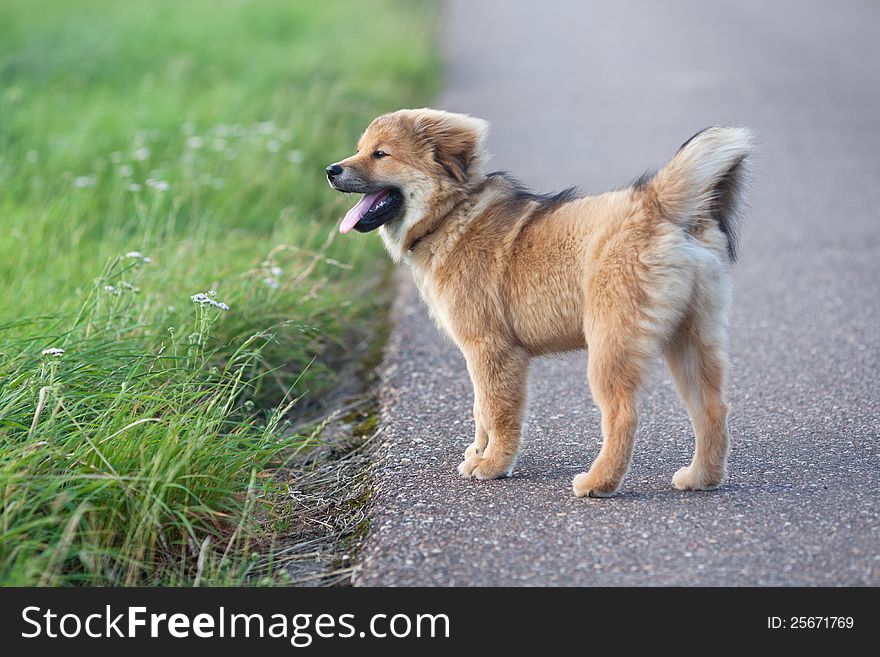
(408, 163)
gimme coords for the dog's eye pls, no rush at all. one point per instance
(378, 155)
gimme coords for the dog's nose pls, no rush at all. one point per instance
(333, 170)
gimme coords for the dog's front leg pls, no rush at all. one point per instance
(499, 378)
(481, 436)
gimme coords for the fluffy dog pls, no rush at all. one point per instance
(510, 275)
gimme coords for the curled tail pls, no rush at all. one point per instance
(707, 179)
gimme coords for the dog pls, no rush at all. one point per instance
(511, 275)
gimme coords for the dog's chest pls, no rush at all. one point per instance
(437, 306)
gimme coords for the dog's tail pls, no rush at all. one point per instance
(706, 179)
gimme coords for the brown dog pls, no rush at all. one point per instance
(511, 275)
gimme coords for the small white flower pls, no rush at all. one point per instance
(195, 142)
(208, 298)
(53, 351)
(222, 130)
(158, 185)
(134, 187)
(84, 181)
(141, 154)
(273, 145)
(137, 255)
(276, 271)
(32, 156)
(271, 282)
(111, 290)
(295, 156)
(125, 170)
(265, 127)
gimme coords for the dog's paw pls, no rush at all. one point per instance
(472, 451)
(480, 467)
(587, 484)
(690, 478)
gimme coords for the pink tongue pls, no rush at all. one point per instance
(358, 211)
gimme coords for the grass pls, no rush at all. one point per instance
(151, 151)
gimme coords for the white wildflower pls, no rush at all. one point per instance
(125, 170)
(109, 289)
(137, 255)
(295, 156)
(195, 142)
(273, 145)
(276, 271)
(265, 127)
(53, 351)
(32, 156)
(158, 185)
(141, 154)
(271, 282)
(222, 130)
(84, 181)
(209, 298)
(134, 187)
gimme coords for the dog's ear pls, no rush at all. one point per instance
(456, 140)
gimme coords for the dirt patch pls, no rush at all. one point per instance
(321, 517)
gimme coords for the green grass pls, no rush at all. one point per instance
(195, 134)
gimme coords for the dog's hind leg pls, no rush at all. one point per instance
(615, 370)
(697, 360)
(499, 376)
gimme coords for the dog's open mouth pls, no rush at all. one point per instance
(372, 211)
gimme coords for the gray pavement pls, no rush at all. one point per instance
(591, 94)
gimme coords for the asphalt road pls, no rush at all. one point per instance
(591, 94)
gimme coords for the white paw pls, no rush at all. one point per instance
(480, 467)
(690, 478)
(586, 484)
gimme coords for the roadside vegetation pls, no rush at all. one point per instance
(174, 292)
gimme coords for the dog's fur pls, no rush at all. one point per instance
(510, 275)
